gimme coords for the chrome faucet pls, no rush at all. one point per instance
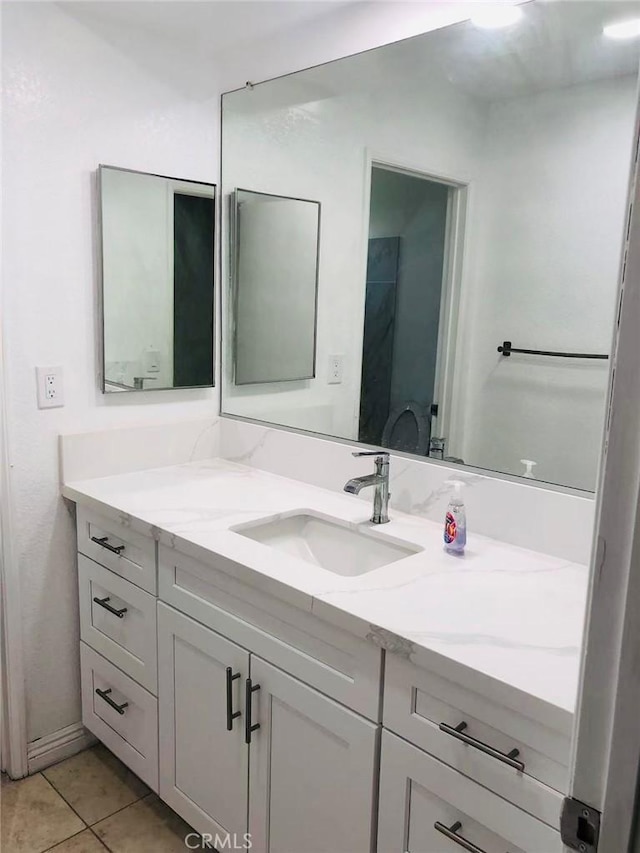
(381, 482)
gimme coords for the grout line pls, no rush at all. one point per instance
(64, 799)
(100, 841)
(117, 811)
(64, 840)
(89, 825)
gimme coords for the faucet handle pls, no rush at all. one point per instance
(370, 453)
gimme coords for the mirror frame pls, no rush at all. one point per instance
(234, 263)
(216, 307)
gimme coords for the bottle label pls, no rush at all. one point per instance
(450, 528)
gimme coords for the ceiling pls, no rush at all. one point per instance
(206, 26)
(184, 42)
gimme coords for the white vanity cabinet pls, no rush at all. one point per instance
(312, 769)
(249, 714)
(427, 807)
(117, 580)
(204, 760)
(237, 732)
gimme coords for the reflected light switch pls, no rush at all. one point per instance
(151, 360)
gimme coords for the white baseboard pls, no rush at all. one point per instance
(55, 747)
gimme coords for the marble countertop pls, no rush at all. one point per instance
(511, 618)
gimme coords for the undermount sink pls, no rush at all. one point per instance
(335, 546)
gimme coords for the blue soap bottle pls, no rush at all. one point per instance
(455, 521)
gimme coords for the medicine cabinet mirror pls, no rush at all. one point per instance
(276, 244)
(473, 185)
(157, 237)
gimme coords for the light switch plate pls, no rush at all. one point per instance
(49, 387)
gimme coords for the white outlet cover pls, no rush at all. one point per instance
(49, 387)
(335, 369)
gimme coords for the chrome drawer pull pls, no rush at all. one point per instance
(104, 602)
(250, 689)
(231, 714)
(104, 694)
(506, 757)
(451, 832)
(103, 541)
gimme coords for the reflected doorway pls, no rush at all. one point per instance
(408, 307)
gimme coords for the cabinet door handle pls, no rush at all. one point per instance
(104, 694)
(103, 541)
(248, 728)
(451, 832)
(104, 602)
(506, 757)
(231, 714)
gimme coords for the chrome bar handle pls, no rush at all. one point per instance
(451, 832)
(104, 694)
(231, 714)
(248, 727)
(104, 602)
(506, 757)
(370, 453)
(103, 541)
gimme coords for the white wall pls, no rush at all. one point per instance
(551, 209)
(70, 102)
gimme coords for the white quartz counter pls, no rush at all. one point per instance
(510, 618)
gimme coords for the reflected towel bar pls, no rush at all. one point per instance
(506, 349)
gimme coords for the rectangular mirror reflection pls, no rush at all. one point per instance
(474, 188)
(157, 238)
(276, 241)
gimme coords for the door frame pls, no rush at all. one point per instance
(13, 716)
(451, 302)
(606, 741)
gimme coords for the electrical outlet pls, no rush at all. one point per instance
(335, 369)
(49, 387)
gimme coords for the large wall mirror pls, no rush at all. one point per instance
(473, 184)
(157, 237)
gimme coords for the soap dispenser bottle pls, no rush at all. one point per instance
(455, 522)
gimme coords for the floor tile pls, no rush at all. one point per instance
(147, 826)
(34, 816)
(95, 783)
(84, 842)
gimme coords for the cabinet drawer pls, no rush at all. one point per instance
(427, 807)
(118, 620)
(426, 708)
(337, 663)
(132, 732)
(111, 543)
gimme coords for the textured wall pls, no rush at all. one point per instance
(70, 102)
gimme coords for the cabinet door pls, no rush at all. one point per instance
(203, 765)
(428, 807)
(312, 769)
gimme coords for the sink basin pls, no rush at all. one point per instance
(328, 543)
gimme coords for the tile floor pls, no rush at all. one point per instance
(89, 803)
